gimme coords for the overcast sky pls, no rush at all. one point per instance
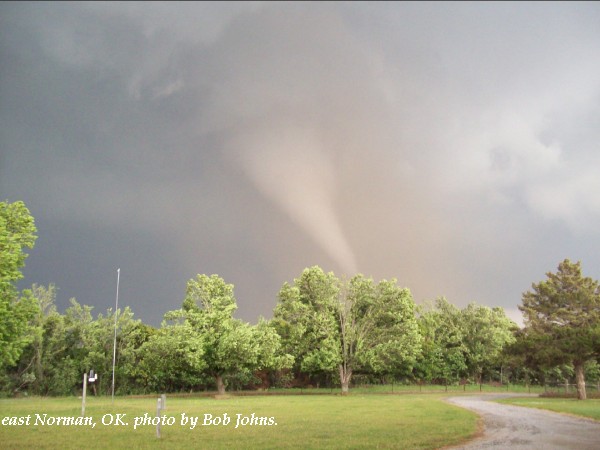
(453, 146)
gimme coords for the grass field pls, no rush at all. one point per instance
(588, 408)
(298, 421)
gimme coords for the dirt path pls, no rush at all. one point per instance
(515, 427)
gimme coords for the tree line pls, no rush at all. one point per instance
(325, 331)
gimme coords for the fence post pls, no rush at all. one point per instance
(158, 408)
(83, 395)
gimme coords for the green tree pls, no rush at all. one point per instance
(77, 337)
(487, 331)
(53, 360)
(270, 350)
(443, 354)
(209, 306)
(31, 371)
(562, 320)
(306, 319)
(329, 325)
(231, 347)
(172, 358)
(17, 232)
(378, 329)
(131, 336)
(98, 342)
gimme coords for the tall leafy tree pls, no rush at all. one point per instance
(54, 358)
(36, 360)
(17, 233)
(306, 319)
(78, 321)
(270, 351)
(378, 329)
(562, 320)
(467, 342)
(487, 331)
(443, 356)
(98, 341)
(209, 306)
(172, 358)
(332, 325)
(231, 347)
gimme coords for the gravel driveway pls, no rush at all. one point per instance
(510, 427)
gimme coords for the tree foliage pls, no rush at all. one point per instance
(230, 347)
(17, 233)
(379, 331)
(462, 343)
(305, 318)
(332, 325)
(487, 331)
(171, 359)
(443, 356)
(562, 321)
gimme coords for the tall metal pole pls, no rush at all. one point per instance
(115, 341)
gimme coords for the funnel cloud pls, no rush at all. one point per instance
(291, 168)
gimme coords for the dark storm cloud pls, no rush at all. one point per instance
(451, 146)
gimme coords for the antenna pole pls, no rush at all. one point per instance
(115, 341)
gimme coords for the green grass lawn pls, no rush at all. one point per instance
(587, 408)
(299, 421)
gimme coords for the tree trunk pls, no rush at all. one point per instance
(345, 375)
(39, 369)
(579, 376)
(220, 385)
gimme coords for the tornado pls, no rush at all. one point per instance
(290, 166)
